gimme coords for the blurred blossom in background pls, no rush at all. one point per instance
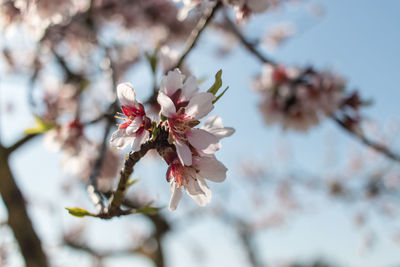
(300, 189)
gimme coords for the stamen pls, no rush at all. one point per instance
(121, 118)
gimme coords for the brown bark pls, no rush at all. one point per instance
(18, 218)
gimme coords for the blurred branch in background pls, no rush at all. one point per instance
(18, 218)
(74, 55)
(355, 131)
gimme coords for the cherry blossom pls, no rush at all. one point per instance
(243, 8)
(78, 153)
(246, 7)
(192, 179)
(82, 162)
(68, 137)
(298, 98)
(134, 129)
(183, 106)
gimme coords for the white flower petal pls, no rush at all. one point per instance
(210, 168)
(203, 141)
(189, 88)
(222, 132)
(213, 122)
(200, 105)
(172, 82)
(126, 94)
(184, 153)
(167, 106)
(135, 125)
(198, 191)
(120, 139)
(214, 125)
(176, 195)
(203, 185)
(192, 186)
(139, 140)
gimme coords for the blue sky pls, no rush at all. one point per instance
(359, 39)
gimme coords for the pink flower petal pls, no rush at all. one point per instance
(189, 88)
(200, 105)
(139, 140)
(210, 168)
(198, 191)
(176, 195)
(213, 122)
(126, 94)
(120, 139)
(203, 141)
(214, 126)
(134, 125)
(171, 82)
(184, 153)
(167, 106)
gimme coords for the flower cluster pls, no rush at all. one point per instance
(243, 8)
(299, 98)
(71, 27)
(190, 154)
(79, 153)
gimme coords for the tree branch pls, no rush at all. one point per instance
(161, 227)
(98, 254)
(196, 32)
(94, 194)
(18, 219)
(363, 139)
(253, 50)
(20, 143)
(117, 197)
(251, 47)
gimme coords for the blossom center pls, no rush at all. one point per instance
(180, 125)
(129, 114)
(180, 173)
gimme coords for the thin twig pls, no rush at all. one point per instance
(191, 42)
(363, 139)
(70, 75)
(140, 249)
(117, 197)
(98, 254)
(20, 143)
(26, 138)
(196, 32)
(251, 47)
(94, 193)
(32, 80)
(247, 238)
(161, 227)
